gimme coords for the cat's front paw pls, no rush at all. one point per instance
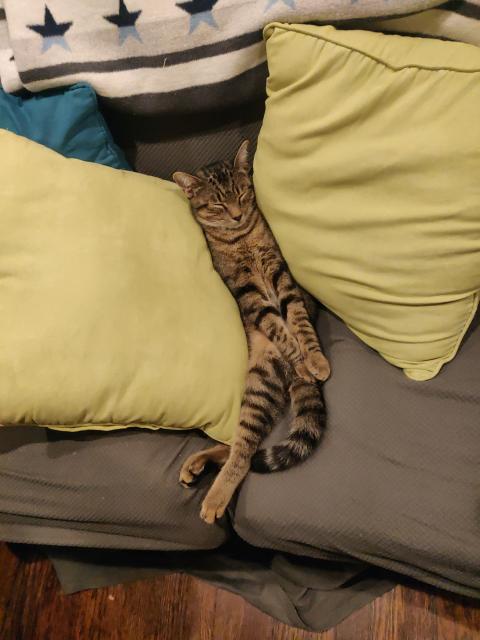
(213, 506)
(318, 365)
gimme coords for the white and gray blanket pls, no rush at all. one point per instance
(158, 56)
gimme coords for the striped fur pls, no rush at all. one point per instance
(307, 426)
(285, 357)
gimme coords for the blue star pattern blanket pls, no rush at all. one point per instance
(159, 56)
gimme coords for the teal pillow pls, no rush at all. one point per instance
(66, 120)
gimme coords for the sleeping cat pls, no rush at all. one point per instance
(285, 358)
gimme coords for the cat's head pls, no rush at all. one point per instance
(222, 194)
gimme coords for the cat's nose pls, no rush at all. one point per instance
(235, 212)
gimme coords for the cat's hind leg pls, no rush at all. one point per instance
(298, 320)
(264, 400)
(194, 465)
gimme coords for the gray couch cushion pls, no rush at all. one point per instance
(116, 490)
(396, 481)
(160, 146)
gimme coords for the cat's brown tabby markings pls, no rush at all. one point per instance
(285, 358)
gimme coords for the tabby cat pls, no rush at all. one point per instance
(285, 358)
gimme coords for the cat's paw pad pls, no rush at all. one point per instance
(213, 507)
(191, 471)
(318, 365)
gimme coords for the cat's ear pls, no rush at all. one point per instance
(242, 162)
(189, 184)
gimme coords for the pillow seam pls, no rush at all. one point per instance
(420, 67)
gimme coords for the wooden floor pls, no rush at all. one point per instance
(177, 607)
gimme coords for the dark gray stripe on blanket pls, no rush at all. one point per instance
(192, 100)
(143, 62)
(466, 9)
(2, 14)
(349, 23)
(167, 59)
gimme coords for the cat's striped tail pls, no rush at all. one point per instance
(307, 428)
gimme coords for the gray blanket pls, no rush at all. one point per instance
(314, 595)
(186, 56)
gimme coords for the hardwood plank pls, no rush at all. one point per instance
(177, 607)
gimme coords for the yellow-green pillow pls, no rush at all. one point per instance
(368, 170)
(111, 314)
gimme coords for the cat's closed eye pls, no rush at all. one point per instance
(217, 208)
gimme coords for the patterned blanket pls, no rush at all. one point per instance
(159, 56)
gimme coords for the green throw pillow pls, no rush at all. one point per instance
(368, 170)
(111, 313)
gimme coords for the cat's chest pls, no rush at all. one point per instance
(255, 272)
